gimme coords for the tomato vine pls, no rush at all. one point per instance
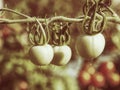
(57, 29)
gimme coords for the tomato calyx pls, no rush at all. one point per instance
(60, 33)
(38, 33)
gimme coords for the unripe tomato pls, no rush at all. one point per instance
(84, 78)
(62, 55)
(113, 79)
(107, 67)
(89, 46)
(41, 55)
(98, 80)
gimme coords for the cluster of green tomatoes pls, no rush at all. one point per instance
(60, 53)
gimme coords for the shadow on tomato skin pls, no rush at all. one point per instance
(57, 60)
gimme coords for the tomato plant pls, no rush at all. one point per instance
(89, 46)
(41, 55)
(62, 55)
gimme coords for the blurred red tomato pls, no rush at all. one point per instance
(89, 68)
(84, 78)
(107, 67)
(98, 80)
(113, 79)
(23, 85)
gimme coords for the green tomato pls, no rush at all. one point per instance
(90, 47)
(62, 55)
(41, 55)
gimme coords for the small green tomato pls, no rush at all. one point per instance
(41, 55)
(90, 46)
(62, 55)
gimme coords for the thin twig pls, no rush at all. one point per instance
(15, 12)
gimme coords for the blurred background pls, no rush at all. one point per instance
(16, 70)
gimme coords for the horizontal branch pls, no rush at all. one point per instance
(33, 19)
(56, 18)
(29, 19)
